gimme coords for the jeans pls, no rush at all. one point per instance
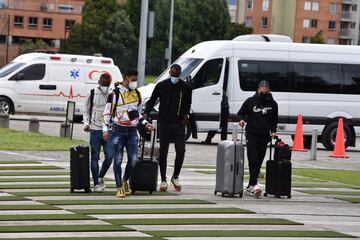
(124, 137)
(175, 132)
(256, 150)
(96, 141)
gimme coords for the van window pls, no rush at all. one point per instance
(33, 72)
(11, 67)
(315, 78)
(350, 79)
(209, 73)
(252, 72)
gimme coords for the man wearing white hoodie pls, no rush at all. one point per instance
(92, 116)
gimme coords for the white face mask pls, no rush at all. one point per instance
(174, 80)
(104, 89)
(133, 85)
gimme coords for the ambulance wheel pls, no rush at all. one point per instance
(6, 106)
(265, 194)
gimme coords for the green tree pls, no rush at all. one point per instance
(118, 40)
(29, 46)
(237, 30)
(194, 22)
(84, 37)
(318, 38)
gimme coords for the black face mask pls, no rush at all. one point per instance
(265, 96)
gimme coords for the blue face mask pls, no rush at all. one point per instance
(174, 80)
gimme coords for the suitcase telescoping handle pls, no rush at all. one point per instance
(235, 133)
(153, 139)
(271, 146)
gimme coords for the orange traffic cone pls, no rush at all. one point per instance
(299, 138)
(339, 149)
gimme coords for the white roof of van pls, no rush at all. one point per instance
(263, 38)
(28, 57)
(209, 49)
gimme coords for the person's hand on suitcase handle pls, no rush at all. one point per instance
(242, 123)
(149, 127)
(274, 136)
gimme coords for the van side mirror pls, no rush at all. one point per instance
(19, 76)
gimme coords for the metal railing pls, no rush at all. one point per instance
(348, 15)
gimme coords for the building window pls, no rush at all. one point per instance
(306, 23)
(331, 41)
(33, 21)
(314, 23)
(306, 39)
(18, 21)
(250, 5)
(69, 24)
(307, 6)
(315, 6)
(66, 8)
(47, 23)
(333, 8)
(265, 5)
(354, 7)
(248, 21)
(332, 26)
(264, 22)
(353, 25)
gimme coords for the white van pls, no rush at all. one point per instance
(43, 83)
(319, 81)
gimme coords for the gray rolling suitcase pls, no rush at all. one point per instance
(230, 167)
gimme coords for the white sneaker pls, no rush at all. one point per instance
(257, 190)
(250, 190)
(163, 186)
(102, 183)
(97, 188)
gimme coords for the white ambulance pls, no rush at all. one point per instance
(319, 81)
(43, 82)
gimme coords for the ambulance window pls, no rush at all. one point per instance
(33, 72)
(209, 73)
(11, 67)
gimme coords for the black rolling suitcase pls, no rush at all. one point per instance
(79, 168)
(145, 175)
(278, 171)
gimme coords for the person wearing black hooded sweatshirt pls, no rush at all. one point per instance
(260, 114)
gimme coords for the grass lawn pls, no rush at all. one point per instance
(25, 141)
(149, 79)
(341, 176)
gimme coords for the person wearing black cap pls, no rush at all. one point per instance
(260, 114)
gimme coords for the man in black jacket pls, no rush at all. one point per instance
(260, 112)
(175, 103)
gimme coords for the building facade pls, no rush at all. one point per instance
(49, 20)
(337, 20)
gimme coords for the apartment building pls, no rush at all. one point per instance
(338, 20)
(49, 20)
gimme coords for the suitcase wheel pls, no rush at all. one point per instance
(87, 190)
(150, 192)
(277, 196)
(240, 195)
(133, 191)
(71, 190)
(215, 192)
(288, 196)
(265, 194)
(223, 194)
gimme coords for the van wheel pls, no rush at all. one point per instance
(6, 106)
(329, 135)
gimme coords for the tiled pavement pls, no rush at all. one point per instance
(35, 204)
